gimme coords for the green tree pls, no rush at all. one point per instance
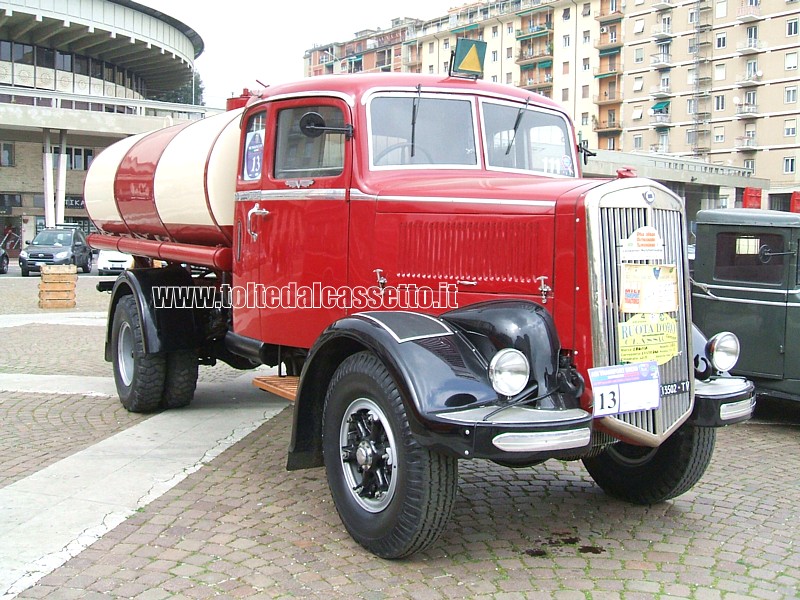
(182, 94)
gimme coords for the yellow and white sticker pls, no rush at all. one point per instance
(649, 288)
(646, 337)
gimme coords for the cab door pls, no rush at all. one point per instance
(747, 274)
(299, 221)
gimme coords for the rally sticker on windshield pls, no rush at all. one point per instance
(646, 337)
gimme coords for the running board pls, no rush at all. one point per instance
(285, 387)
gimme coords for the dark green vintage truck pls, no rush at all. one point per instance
(747, 280)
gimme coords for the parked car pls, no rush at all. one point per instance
(56, 246)
(747, 280)
(3, 261)
(112, 262)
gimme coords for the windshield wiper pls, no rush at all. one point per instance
(414, 110)
(516, 124)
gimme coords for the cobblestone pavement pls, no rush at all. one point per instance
(244, 527)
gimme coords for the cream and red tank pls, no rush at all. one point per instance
(173, 186)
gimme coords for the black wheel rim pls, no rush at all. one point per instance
(368, 455)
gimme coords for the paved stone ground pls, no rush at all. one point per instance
(244, 527)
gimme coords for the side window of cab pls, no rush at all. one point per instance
(253, 147)
(310, 142)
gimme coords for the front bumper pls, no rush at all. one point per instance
(721, 401)
(32, 264)
(519, 433)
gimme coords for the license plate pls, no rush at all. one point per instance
(673, 389)
(625, 388)
(39, 264)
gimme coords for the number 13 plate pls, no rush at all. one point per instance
(625, 388)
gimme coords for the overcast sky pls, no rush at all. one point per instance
(247, 40)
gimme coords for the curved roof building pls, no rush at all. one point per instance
(75, 76)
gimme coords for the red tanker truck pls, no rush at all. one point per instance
(422, 260)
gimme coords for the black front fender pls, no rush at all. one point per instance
(440, 366)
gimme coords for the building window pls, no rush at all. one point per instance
(790, 61)
(510, 28)
(721, 9)
(587, 37)
(638, 26)
(638, 84)
(691, 106)
(446, 44)
(495, 58)
(587, 9)
(509, 52)
(790, 94)
(509, 79)
(565, 68)
(719, 102)
(565, 41)
(719, 72)
(586, 66)
(719, 135)
(585, 91)
(565, 94)
(430, 47)
(584, 118)
(495, 31)
(638, 55)
(638, 142)
(788, 164)
(494, 78)
(637, 113)
(78, 159)
(430, 69)
(691, 137)
(791, 27)
(722, 39)
(692, 16)
(565, 14)
(790, 127)
(6, 154)
(749, 163)
(611, 144)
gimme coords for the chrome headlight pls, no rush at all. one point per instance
(23, 254)
(61, 255)
(723, 351)
(509, 372)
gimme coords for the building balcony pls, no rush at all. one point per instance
(749, 79)
(699, 47)
(661, 61)
(703, 5)
(662, 4)
(659, 148)
(607, 126)
(608, 15)
(748, 14)
(750, 46)
(534, 31)
(606, 98)
(662, 31)
(660, 120)
(661, 91)
(528, 57)
(745, 143)
(607, 42)
(701, 115)
(747, 111)
(537, 83)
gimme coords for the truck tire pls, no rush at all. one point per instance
(87, 267)
(139, 377)
(651, 475)
(180, 380)
(393, 496)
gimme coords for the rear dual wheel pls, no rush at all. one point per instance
(148, 382)
(394, 496)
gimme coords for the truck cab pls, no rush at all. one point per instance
(746, 278)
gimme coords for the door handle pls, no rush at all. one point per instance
(256, 211)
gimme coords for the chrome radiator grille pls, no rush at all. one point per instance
(617, 223)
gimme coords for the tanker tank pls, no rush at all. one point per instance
(174, 186)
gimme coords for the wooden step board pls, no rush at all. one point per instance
(285, 387)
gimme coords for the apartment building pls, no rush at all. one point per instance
(713, 80)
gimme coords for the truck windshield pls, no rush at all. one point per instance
(519, 138)
(419, 130)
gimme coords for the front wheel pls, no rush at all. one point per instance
(4, 264)
(646, 476)
(139, 376)
(393, 495)
(87, 268)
